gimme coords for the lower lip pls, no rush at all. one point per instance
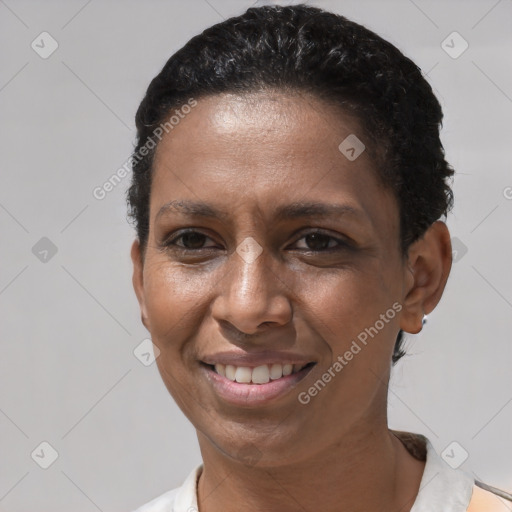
(250, 395)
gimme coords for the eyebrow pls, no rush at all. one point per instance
(290, 211)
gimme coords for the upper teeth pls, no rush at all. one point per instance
(258, 375)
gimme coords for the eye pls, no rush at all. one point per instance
(318, 241)
(315, 241)
(191, 240)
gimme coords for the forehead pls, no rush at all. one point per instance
(264, 122)
(264, 148)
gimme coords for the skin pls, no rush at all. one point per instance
(245, 156)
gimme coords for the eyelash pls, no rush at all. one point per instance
(170, 243)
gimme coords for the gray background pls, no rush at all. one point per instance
(70, 321)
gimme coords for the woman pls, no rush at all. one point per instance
(287, 189)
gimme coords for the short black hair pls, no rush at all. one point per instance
(306, 49)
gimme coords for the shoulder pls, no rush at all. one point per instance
(488, 500)
(162, 503)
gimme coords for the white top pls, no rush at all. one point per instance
(441, 488)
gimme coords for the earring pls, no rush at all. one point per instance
(423, 322)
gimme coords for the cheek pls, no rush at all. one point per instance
(174, 297)
(357, 315)
(347, 303)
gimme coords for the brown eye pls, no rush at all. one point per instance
(188, 240)
(317, 241)
(320, 242)
(193, 240)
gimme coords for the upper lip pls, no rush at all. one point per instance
(241, 358)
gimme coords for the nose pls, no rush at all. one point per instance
(252, 295)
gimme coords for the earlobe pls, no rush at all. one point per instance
(427, 269)
(138, 280)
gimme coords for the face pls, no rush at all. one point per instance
(267, 248)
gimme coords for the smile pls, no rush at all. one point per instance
(259, 374)
(246, 386)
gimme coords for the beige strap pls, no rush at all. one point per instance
(487, 501)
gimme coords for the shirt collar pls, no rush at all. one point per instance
(441, 487)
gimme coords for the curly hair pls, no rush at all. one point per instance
(306, 49)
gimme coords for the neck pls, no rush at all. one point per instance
(364, 471)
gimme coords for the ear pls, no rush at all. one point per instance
(138, 280)
(429, 264)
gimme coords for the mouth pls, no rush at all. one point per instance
(261, 374)
(248, 386)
